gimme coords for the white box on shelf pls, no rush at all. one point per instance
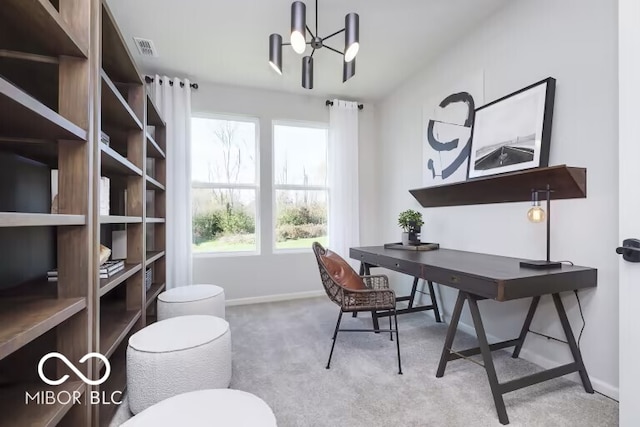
(104, 195)
(119, 244)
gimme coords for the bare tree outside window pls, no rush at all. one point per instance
(224, 181)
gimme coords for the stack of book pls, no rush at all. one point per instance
(108, 269)
(111, 268)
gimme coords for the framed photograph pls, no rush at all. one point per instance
(513, 133)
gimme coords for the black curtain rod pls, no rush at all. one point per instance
(328, 102)
(150, 79)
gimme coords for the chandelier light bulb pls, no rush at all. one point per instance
(351, 36)
(536, 214)
(298, 27)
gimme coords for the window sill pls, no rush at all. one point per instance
(225, 254)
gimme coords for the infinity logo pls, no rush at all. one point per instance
(66, 361)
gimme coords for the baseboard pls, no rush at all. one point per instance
(530, 356)
(274, 298)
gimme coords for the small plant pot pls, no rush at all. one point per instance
(405, 238)
(411, 238)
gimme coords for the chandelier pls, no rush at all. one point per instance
(298, 41)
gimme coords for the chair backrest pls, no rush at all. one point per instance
(333, 289)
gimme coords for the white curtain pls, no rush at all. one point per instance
(174, 102)
(344, 222)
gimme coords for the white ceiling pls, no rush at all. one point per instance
(227, 41)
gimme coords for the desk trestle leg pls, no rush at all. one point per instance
(499, 389)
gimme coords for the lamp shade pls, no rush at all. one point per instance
(348, 70)
(298, 26)
(275, 52)
(351, 36)
(307, 72)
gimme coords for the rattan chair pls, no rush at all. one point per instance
(376, 297)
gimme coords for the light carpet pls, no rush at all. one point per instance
(280, 351)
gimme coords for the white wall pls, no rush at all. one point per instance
(269, 274)
(574, 41)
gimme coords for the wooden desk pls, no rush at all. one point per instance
(479, 276)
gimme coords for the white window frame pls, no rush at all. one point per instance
(256, 186)
(294, 187)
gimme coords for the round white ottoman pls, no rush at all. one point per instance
(206, 408)
(176, 356)
(188, 300)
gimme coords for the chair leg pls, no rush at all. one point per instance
(335, 335)
(395, 315)
(390, 330)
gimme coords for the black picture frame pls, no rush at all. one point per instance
(501, 138)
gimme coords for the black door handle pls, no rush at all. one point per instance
(630, 250)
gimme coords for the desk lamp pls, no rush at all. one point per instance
(537, 214)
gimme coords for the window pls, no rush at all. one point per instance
(224, 184)
(300, 185)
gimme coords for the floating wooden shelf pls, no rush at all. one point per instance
(47, 32)
(18, 219)
(22, 116)
(116, 112)
(109, 284)
(25, 320)
(116, 58)
(153, 114)
(153, 149)
(17, 413)
(113, 219)
(153, 256)
(153, 184)
(153, 292)
(566, 183)
(114, 163)
(155, 220)
(115, 324)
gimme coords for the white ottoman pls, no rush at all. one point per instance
(176, 356)
(206, 408)
(188, 300)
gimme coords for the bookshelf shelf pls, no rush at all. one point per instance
(153, 149)
(153, 184)
(47, 32)
(25, 117)
(113, 163)
(24, 320)
(115, 323)
(153, 292)
(17, 219)
(155, 220)
(12, 402)
(114, 219)
(153, 256)
(153, 114)
(116, 112)
(117, 61)
(107, 285)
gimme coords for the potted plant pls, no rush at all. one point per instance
(410, 221)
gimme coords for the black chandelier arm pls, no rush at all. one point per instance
(334, 34)
(333, 50)
(312, 52)
(310, 32)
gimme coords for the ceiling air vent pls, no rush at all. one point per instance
(146, 47)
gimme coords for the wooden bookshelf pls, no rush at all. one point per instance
(67, 76)
(48, 96)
